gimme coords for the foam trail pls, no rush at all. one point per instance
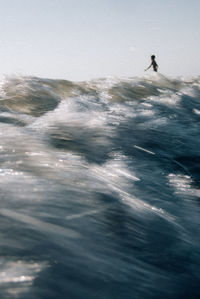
(145, 150)
(39, 224)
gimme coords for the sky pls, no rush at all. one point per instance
(84, 39)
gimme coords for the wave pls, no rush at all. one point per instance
(100, 182)
(36, 96)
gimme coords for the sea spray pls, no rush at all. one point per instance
(100, 186)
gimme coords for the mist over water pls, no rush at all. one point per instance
(100, 188)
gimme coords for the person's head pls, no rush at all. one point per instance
(153, 57)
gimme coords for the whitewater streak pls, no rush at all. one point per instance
(99, 188)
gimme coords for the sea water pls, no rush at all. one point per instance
(100, 188)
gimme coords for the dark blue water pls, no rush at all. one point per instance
(100, 188)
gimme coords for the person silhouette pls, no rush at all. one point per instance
(153, 63)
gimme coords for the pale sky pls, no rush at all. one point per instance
(84, 39)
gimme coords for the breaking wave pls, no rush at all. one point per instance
(100, 187)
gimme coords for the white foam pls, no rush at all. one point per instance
(182, 184)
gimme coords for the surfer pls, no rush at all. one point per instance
(153, 63)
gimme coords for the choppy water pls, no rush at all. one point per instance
(100, 187)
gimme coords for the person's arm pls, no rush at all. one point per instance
(148, 67)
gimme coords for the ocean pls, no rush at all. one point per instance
(100, 188)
